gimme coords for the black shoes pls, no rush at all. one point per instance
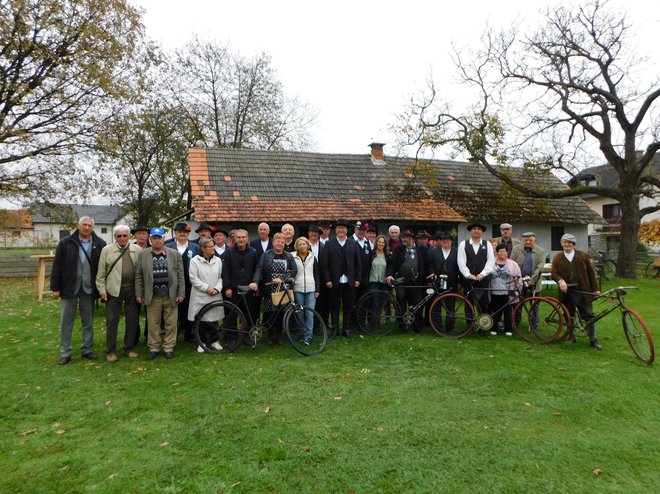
(90, 356)
(169, 355)
(64, 361)
(596, 345)
(152, 355)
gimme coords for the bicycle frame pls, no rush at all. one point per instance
(576, 320)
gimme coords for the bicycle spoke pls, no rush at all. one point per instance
(305, 330)
(638, 336)
(376, 313)
(452, 315)
(538, 320)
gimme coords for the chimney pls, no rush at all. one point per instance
(377, 152)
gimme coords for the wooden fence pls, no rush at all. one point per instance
(17, 265)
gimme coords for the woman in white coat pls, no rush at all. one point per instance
(307, 282)
(206, 279)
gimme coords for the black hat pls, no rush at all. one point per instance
(476, 223)
(423, 234)
(140, 228)
(372, 229)
(407, 233)
(182, 227)
(342, 223)
(219, 230)
(325, 224)
(441, 235)
(314, 228)
(205, 226)
(361, 226)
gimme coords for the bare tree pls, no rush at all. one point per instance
(236, 101)
(59, 60)
(566, 95)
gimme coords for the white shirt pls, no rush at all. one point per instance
(221, 250)
(446, 253)
(264, 245)
(570, 256)
(315, 249)
(344, 278)
(462, 258)
(181, 248)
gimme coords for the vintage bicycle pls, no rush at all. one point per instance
(634, 327)
(535, 318)
(237, 326)
(373, 317)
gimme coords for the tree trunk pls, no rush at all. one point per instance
(626, 266)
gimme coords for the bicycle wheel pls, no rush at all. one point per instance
(638, 336)
(458, 313)
(296, 321)
(538, 319)
(608, 270)
(230, 327)
(377, 313)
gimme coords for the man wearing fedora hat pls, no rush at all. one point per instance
(141, 236)
(220, 236)
(443, 260)
(203, 230)
(364, 245)
(578, 284)
(341, 268)
(188, 250)
(476, 261)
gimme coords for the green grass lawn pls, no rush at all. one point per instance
(404, 413)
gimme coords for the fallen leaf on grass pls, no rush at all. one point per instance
(60, 432)
(556, 414)
(279, 440)
(28, 432)
(527, 404)
(112, 475)
(164, 444)
(362, 337)
(560, 426)
(597, 471)
(175, 384)
(307, 449)
(267, 410)
(379, 429)
(236, 484)
(109, 402)
(337, 398)
(56, 424)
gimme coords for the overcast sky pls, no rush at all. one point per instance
(354, 61)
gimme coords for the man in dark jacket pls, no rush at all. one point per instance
(341, 268)
(238, 266)
(73, 281)
(188, 250)
(408, 266)
(443, 260)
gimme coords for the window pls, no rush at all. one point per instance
(612, 212)
(104, 230)
(556, 232)
(590, 181)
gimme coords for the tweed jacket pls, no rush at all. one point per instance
(110, 282)
(587, 279)
(538, 260)
(144, 275)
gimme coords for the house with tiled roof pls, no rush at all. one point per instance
(232, 187)
(56, 221)
(608, 208)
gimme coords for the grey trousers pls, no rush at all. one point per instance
(112, 315)
(85, 302)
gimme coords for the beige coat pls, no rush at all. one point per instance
(110, 282)
(538, 260)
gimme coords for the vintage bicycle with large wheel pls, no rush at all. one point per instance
(378, 312)
(538, 319)
(236, 327)
(634, 327)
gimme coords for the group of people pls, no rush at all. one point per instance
(174, 279)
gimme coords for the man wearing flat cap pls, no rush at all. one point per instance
(506, 230)
(188, 250)
(578, 284)
(476, 261)
(531, 258)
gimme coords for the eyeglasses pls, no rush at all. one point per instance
(121, 235)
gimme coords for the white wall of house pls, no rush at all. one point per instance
(52, 230)
(597, 202)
